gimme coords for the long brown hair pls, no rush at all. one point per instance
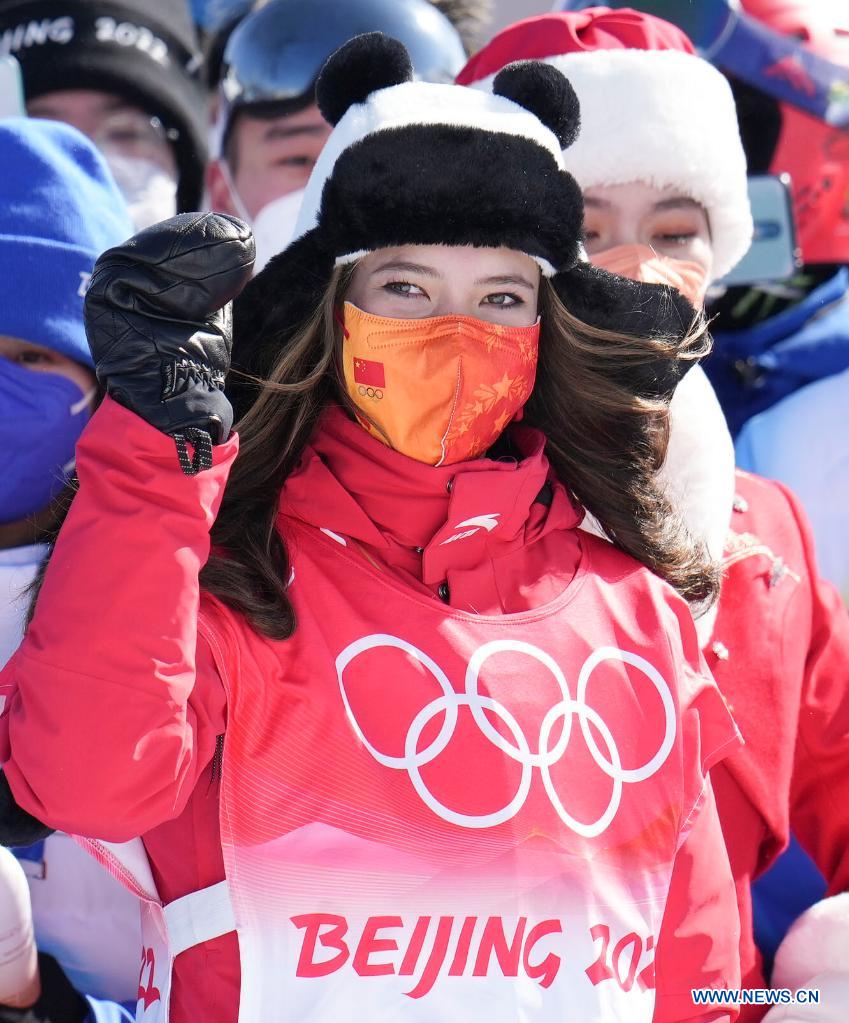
(604, 441)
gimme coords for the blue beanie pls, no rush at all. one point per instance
(59, 209)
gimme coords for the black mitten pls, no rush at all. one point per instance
(158, 319)
(17, 827)
(59, 1002)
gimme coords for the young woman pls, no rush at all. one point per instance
(400, 741)
(670, 205)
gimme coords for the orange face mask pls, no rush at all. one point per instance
(642, 263)
(440, 389)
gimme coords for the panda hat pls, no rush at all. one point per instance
(419, 163)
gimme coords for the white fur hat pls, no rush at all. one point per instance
(669, 119)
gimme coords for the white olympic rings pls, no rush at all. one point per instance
(544, 758)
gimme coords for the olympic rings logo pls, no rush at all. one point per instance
(544, 757)
(370, 392)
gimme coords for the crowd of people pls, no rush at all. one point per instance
(423, 563)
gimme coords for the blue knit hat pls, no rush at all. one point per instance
(59, 209)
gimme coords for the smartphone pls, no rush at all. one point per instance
(774, 254)
(11, 89)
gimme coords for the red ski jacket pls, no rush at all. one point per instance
(780, 654)
(115, 705)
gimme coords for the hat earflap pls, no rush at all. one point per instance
(610, 302)
(545, 92)
(361, 66)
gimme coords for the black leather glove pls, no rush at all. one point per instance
(59, 1002)
(158, 318)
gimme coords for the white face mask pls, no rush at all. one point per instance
(149, 190)
(274, 226)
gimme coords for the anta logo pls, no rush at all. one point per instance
(474, 525)
(455, 946)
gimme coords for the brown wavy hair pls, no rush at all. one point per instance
(605, 442)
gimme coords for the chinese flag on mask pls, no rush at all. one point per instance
(369, 373)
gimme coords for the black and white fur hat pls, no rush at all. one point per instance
(420, 163)
(413, 162)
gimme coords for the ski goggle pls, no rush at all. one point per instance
(274, 55)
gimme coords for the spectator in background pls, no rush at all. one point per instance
(662, 168)
(218, 18)
(269, 130)
(59, 208)
(782, 360)
(471, 18)
(128, 75)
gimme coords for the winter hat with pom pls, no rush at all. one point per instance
(651, 110)
(421, 163)
(59, 209)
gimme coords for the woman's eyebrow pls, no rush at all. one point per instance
(410, 268)
(521, 282)
(679, 203)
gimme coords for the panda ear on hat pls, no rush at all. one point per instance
(546, 93)
(360, 67)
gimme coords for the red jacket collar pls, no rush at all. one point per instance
(351, 484)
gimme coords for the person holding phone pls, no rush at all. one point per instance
(663, 174)
(398, 738)
(783, 358)
(780, 364)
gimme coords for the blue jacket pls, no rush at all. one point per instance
(108, 1012)
(752, 370)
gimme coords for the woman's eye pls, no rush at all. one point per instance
(404, 288)
(591, 236)
(675, 237)
(503, 298)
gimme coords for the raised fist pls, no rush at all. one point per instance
(158, 319)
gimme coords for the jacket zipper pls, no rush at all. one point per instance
(218, 759)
